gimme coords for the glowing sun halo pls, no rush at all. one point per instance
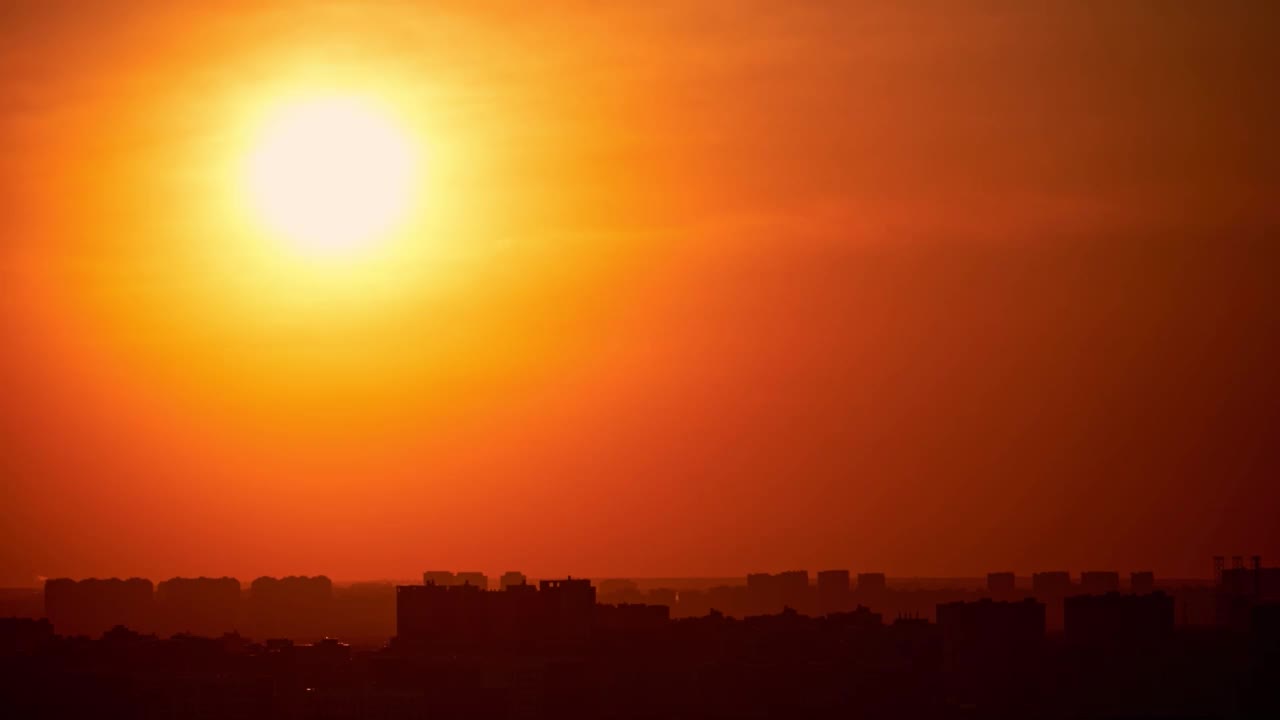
(331, 174)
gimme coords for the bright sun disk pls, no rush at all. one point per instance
(331, 174)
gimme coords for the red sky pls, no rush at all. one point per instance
(927, 287)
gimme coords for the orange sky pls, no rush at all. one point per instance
(695, 288)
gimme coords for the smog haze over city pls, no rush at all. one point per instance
(894, 358)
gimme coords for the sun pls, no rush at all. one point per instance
(332, 174)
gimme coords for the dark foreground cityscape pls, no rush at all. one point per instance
(1051, 645)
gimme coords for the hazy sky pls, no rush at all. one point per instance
(928, 287)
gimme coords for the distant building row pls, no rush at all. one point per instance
(1058, 582)
(201, 605)
(556, 613)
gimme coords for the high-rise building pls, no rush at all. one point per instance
(662, 596)
(443, 578)
(764, 594)
(478, 579)
(448, 578)
(871, 583)
(834, 591)
(203, 606)
(292, 607)
(93, 606)
(568, 608)
(1001, 583)
(511, 577)
(1051, 582)
(1099, 582)
(793, 586)
(438, 616)
(1142, 582)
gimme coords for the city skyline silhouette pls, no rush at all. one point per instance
(1082, 645)
(688, 359)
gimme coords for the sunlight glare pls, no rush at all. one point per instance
(331, 174)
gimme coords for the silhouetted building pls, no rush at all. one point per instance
(764, 593)
(444, 578)
(1240, 589)
(872, 583)
(203, 606)
(521, 589)
(550, 650)
(1051, 588)
(1099, 582)
(1118, 621)
(770, 593)
(290, 607)
(989, 630)
(365, 612)
(519, 620)
(860, 619)
(1264, 626)
(619, 590)
(121, 637)
(478, 579)
(1142, 582)
(568, 609)
(463, 618)
(834, 591)
(627, 619)
(442, 617)
(1051, 583)
(93, 606)
(448, 578)
(662, 596)
(795, 589)
(510, 578)
(1001, 583)
(20, 636)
